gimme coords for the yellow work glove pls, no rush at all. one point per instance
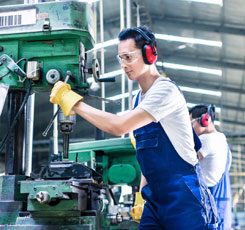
(62, 95)
(136, 211)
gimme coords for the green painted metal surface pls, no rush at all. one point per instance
(122, 173)
(11, 200)
(115, 159)
(55, 189)
(53, 39)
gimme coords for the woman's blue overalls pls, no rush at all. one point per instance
(222, 196)
(174, 200)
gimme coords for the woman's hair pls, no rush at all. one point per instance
(134, 33)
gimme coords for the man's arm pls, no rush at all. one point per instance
(111, 123)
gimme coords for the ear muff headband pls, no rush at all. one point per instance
(149, 51)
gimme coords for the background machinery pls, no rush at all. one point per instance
(39, 45)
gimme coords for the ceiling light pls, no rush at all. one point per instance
(216, 2)
(183, 88)
(88, 1)
(201, 91)
(190, 68)
(217, 123)
(164, 37)
(106, 44)
(189, 40)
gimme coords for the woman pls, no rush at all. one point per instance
(163, 133)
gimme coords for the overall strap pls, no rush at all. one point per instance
(228, 160)
(137, 99)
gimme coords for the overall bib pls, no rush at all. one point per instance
(222, 197)
(174, 200)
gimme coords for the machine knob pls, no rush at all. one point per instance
(52, 76)
(43, 197)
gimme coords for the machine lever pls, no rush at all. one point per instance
(45, 132)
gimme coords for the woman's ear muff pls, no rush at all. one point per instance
(149, 51)
(149, 54)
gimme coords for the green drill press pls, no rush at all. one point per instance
(39, 45)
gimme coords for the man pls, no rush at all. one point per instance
(163, 133)
(215, 160)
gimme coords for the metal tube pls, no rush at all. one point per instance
(102, 54)
(138, 14)
(130, 83)
(122, 26)
(28, 147)
(30, 1)
(55, 131)
(65, 146)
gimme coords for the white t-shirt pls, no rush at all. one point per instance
(214, 150)
(167, 105)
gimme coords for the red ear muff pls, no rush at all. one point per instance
(149, 51)
(204, 120)
(149, 54)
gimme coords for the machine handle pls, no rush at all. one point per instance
(107, 79)
(45, 132)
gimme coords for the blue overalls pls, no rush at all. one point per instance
(174, 200)
(222, 197)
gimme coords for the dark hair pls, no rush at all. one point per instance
(133, 33)
(198, 110)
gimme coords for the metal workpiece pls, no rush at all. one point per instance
(62, 195)
(43, 197)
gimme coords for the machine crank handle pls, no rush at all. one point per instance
(45, 132)
(107, 79)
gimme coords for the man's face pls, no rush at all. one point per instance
(130, 59)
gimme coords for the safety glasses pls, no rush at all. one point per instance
(128, 58)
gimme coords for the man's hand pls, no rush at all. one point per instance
(62, 95)
(136, 211)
